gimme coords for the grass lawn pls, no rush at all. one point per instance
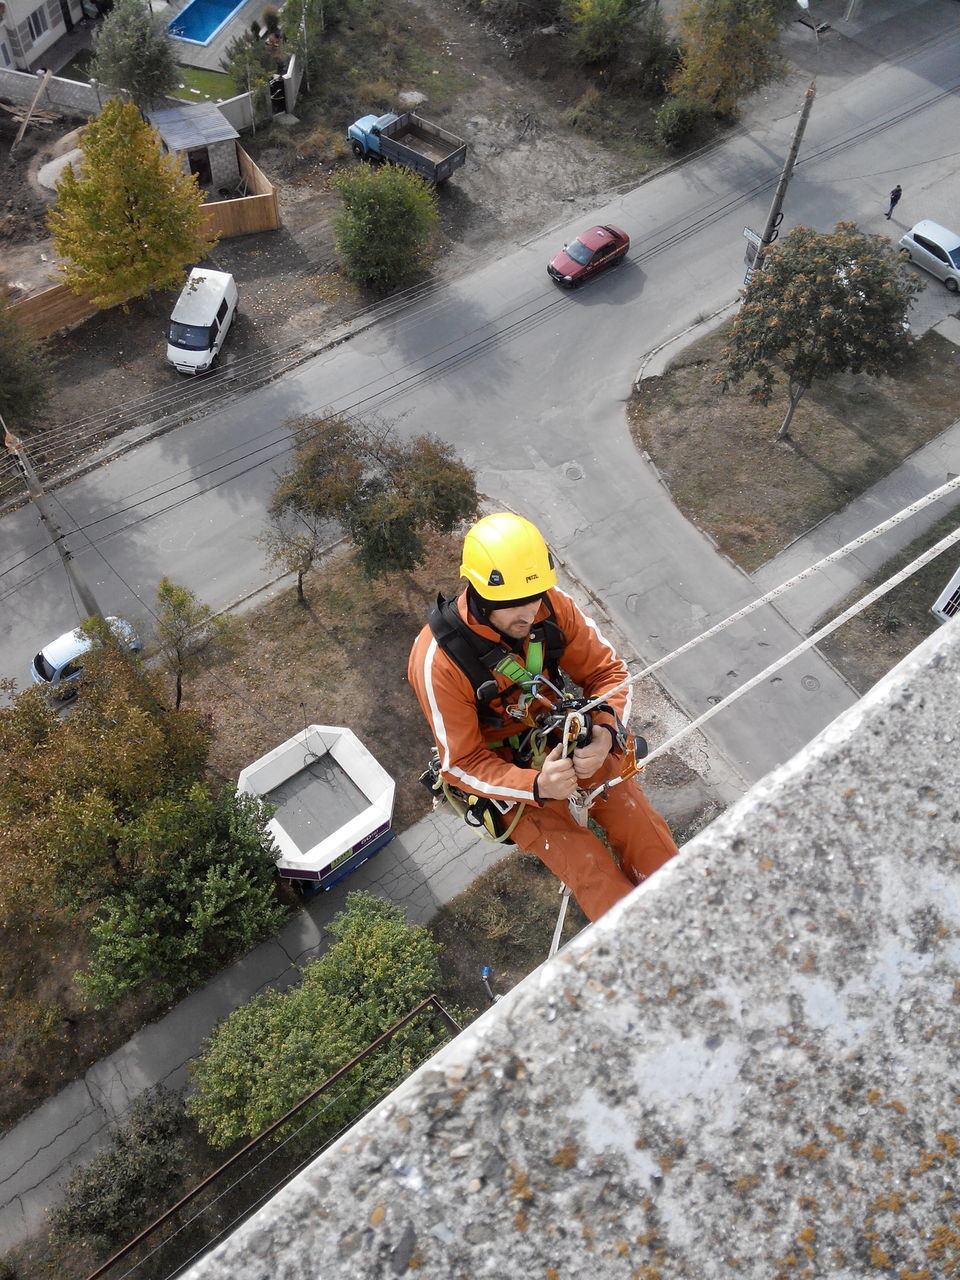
(196, 85)
(717, 453)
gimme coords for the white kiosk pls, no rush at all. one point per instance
(334, 803)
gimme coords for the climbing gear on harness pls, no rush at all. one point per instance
(506, 560)
(486, 815)
(479, 660)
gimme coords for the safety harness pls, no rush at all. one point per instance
(480, 661)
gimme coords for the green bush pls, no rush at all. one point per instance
(678, 122)
(389, 218)
(272, 1052)
(115, 1195)
(586, 116)
(519, 15)
(597, 28)
(653, 53)
(195, 913)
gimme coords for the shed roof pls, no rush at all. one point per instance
(195, 124)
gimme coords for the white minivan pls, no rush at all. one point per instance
(200, 319)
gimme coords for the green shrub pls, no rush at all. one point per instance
(653, 53)
(677, 123)
(597, 28)
(273, 1051)
(586, 116)
(194, 914)
(115, 1195)
(389, 218)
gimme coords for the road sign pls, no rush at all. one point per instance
(752, 236)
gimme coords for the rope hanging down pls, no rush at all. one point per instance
(857, 607)
(584, 800)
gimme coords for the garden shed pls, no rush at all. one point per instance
(205, 140)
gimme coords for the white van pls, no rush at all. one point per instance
(200, 319)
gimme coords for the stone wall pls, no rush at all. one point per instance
(238, 111)
(73, 97)
(68, 96)
(747, 1068)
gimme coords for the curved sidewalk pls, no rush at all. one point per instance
(420, 870)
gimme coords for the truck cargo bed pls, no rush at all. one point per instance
(424, 146)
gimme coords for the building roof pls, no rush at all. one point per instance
(195, 124)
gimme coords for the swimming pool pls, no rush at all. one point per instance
(200, 20)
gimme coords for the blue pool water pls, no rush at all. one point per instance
(200, 21)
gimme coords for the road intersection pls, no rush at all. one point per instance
(528, 383)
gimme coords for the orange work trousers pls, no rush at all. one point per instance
(637, 834)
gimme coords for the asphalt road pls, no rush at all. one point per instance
(528, 383)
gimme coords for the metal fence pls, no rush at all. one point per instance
(239, 1186)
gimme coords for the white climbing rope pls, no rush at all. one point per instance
(857, 607)
(775, 592)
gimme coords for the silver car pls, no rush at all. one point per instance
(935, 249)
(59, 663)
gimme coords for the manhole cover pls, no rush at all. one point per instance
(810, 683)
(574, 472)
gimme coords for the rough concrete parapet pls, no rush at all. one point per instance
(749, 1067)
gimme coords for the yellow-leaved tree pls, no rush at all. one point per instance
(130, 221)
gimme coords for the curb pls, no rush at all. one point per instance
(681, 341)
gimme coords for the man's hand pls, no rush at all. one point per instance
(587, 760)
(558, 777)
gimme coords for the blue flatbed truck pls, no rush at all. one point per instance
(410, 141)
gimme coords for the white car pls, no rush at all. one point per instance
(59, 663)
(935, 249)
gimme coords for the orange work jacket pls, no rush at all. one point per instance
(469, 756)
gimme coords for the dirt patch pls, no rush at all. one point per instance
(848, 432)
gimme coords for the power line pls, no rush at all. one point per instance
(231, 377)
(497, 337)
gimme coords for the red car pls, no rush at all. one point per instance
(592, 251)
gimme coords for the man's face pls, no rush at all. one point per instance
(516, 622)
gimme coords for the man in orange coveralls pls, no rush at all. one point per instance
(524, 628)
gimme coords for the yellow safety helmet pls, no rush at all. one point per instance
(506, 560)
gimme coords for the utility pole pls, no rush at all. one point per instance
(775, 216)
(38, 498)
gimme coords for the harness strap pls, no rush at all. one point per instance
(478, 659)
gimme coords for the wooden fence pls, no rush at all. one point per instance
(256, 211)
(54, 309)
(59, 307)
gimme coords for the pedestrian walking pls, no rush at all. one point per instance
(486, 664)
(895, 195)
